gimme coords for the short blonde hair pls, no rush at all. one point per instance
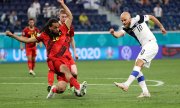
(62, 11)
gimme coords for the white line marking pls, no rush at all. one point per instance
(158, 83)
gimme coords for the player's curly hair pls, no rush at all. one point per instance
(46, 30)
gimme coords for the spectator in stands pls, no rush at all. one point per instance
(37, 6)
(179, 27)
(32, 12)
(111, 5)
(84, 20)
(118, 5)
(13, 18)
(5, 19)
(47, 11)
(151, 25)
(166, 2)
(158, 12)
(53, 10)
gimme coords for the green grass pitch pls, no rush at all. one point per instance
(20, 90)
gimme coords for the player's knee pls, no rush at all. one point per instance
(74, 70)
(139, 63)
(74, 73)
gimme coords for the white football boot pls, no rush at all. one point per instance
(31, 72)
(144, 95)
(122, 86)
(51, 93)
(82, 91)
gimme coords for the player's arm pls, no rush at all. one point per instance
(116, 34)
(74, 48)
(157, 22)
(69, 19)
(21, 38)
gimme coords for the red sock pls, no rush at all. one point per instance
(54, 90)
(74, 82)
(50, 77)
(33, 65)
(30, 65)
(75, 76)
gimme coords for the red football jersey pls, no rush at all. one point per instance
(27, 32)
(69, 35)
(55, 46)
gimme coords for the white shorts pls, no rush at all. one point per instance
(148, 52)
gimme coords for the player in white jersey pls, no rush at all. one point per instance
(137, 28)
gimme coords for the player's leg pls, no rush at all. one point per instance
(80, 89)
(150, 52)
(63, 68)
(59, 88)
(142, 84)
(137, 68)
(50, 75)
(33, 58)
(74, 72)
(29, 60)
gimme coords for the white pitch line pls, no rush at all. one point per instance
(158, 83)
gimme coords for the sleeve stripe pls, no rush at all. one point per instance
(141, 20)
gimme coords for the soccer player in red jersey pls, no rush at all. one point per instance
(30, 31)
(73, 68)
(55, 41)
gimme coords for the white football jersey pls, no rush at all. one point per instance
(139, 30)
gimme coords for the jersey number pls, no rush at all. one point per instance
(139, 27)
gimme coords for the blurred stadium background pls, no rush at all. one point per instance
(94, 44)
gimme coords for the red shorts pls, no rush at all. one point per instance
(62, 78)
(31, 52)
(54, 66)
(71, 61)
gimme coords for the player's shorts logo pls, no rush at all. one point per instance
(126, 52)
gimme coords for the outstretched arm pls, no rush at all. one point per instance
(69, 19)
(116, 34)
(74, 48)
(21, 38)
(157, 22)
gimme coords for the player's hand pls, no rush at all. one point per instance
(111, 31)
(76, 57)
(8, 33)
(163, 30)
(61, 1)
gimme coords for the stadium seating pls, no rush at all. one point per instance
(99, 22)
(170, 19)
(171, 13)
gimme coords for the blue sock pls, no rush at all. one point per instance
(141, 78)
(135, 73)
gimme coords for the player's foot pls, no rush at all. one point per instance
(82, 91)
(49, 88)
(31, 72)
(51, 93)
(122, 86)
(144, 95)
